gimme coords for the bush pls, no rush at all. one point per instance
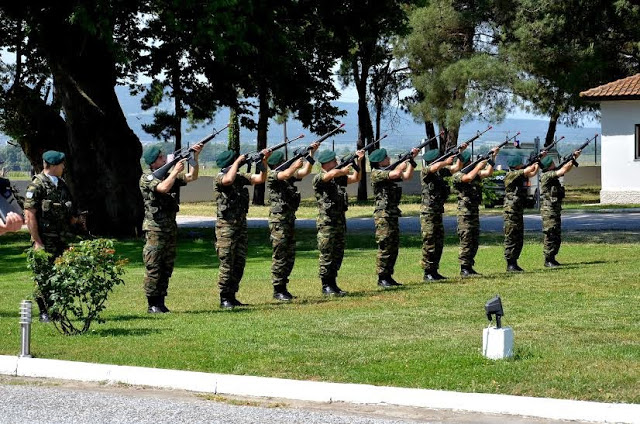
(77, 282)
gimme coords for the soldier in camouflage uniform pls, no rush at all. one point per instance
(159, 225)
(551, 195)
(386, 211)
(330, 187)
(232, 200)
(469, 189)
(515, 196)
(435, 191)
(50, 214)
(284, 200)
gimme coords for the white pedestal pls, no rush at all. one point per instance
(497, 343)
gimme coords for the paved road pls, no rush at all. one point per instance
(571, 221)
(37, 401)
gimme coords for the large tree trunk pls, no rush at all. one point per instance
(179, 114)
(103, 154)
(430, 130)
(263, 126)
(365, 129)
(551, 129)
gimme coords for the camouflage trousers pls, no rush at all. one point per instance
(231, 246)
(388, 240)
(283, 241)
(513, 235)
(469, 235)
(331, 243)
(552, 231)
(159, 255)
(432, 230)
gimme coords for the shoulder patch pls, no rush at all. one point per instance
(29, 195)
(150, 177)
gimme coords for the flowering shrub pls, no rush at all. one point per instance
(77, 282)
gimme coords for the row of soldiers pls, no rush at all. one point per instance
(51, 215)
(232, 200)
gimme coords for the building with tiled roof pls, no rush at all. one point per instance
(620, 118)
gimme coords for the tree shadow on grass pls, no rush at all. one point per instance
(129, 317)
(125, 332)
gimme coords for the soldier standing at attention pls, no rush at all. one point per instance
(330, 187)
(285, 200)
(515, 196)
(387, 212)
(232, 200)
(551, 195)
(159, 225)
(50, 215)
(469, 189)
(435, 191)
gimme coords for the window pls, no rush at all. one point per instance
(637, 142)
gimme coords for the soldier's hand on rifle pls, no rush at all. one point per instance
(178, 168)
(298, 164)
(360, 155)
(576, 154)
(197, 149)
(240, 159)
(314, 147)
(449, 160)
(463, 147)
(265, 154)
(494, 152)
(414, 152)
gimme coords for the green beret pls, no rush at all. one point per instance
(52, 157)
(465, 156)
(276, 157)
(377, 155)
(514, 161)
(546, 162)
(431, 155)
(151, 154)
(326, 156)
(225, 158)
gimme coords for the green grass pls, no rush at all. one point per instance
(577, 329)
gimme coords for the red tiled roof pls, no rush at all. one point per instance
(622, 89)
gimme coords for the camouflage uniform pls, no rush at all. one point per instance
(331, 223)
(284, 199)
(551, 195)
(231, 231)
(469, 199)
(54, 209)
(435, 191)
(161, 231)
(514, 200)
(385, 216)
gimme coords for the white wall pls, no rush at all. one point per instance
(620, 171)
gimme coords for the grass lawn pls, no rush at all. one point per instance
(577, 329)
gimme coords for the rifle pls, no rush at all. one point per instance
(456, 149)
(408, 156)
(304, 152)
(537, 158)
(8, 202)
(350, 159)
(256, 157)
(571, 158)
(486, 156)
(182, 154)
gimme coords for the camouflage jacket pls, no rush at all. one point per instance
(551, 191)
(53, 205)
(331, 197)
(159, 208)
(284, 197)
(469, 194)
(515, 191)
(435, 190)
(232, 200)
(387, 193)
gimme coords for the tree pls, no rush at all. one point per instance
(562, 48)
(234, 132)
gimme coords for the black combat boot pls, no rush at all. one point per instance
(432, 275)
(550, 262)
(512, 266)
(226, 301)
(162, 306)
(154, 305)
(386, 281)
(44, 315)
(236, 302)
(281, 293)
(330, 287)
(467, 271)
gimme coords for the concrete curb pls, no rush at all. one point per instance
(321, 392)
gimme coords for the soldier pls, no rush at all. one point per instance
(159, 225)
(50, 215)
(232, 199)
(330, 189)
(469, 189)
(284, 201)
(515, 187)
(14, 223)
(387, 212)
(551, 195)
(435, 191)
